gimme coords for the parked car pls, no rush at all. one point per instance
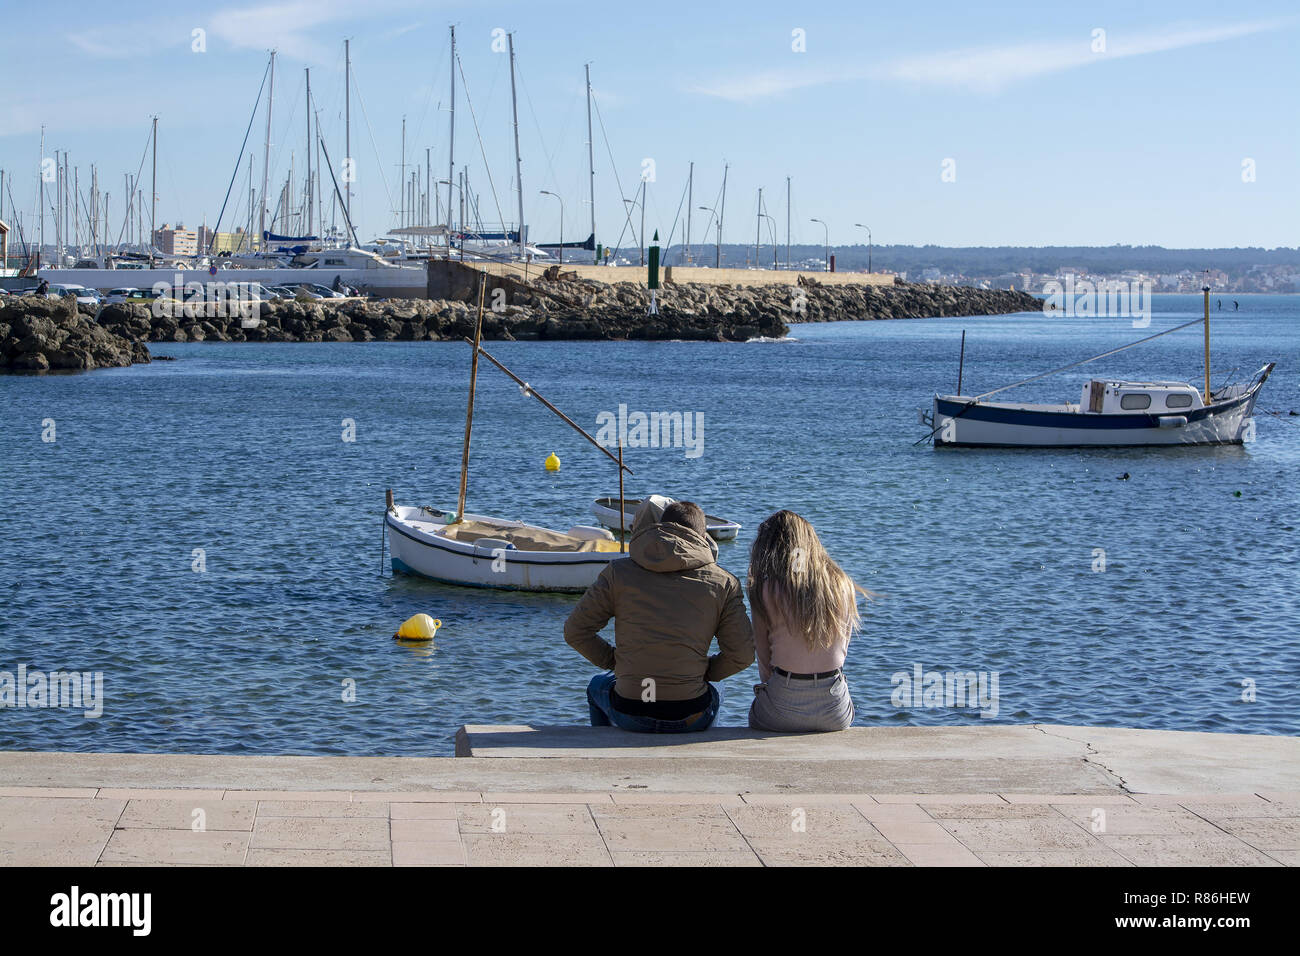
(116, 296)
(307, 290)
(83, 295)
(325, 291)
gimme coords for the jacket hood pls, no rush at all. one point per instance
(670, 547)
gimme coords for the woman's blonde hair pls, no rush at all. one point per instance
(789, 568)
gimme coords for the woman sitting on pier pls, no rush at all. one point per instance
(805, 610)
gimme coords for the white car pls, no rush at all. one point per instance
(83, 295)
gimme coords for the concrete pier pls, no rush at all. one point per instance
(977, 796)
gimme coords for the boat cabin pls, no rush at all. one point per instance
(1156, 398)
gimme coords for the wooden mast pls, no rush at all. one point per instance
(622, 544)
(1206, 290)
(469, 410)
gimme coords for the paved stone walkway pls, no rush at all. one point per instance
(136, 827)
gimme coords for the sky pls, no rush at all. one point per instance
(952, 124)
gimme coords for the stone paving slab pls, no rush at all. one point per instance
(347, 828)
(1010, 795)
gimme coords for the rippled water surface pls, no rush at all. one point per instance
(984, 559)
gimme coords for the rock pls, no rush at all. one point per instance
(42, 334)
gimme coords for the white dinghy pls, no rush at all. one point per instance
(606, 512)
(482, 551)
(478, 550)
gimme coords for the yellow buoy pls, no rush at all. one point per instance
(419, 627)
(552, 462)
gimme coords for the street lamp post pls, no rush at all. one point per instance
(717, 259)
(868, 228)
(827, 231)
(547, 192)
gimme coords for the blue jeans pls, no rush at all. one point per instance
(603, 713)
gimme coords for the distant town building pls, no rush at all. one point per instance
(232, 242)
(176, 241)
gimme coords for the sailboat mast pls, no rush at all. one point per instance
(722, 208)
(348, 171)
(153, 205)
(469, 410)
(406, 187)
(309, 197)
(1206, 290)
(591, 171)
(758, 227)
(690, 201)
(514, 109)
(266, 160)
(451, 141)
(40, 250)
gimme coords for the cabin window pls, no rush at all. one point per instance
(1178, 400)
(1135, 401)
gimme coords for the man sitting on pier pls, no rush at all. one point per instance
(668, 599)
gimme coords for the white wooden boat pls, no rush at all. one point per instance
(606, 512)
(483, 551)
(1108, 414)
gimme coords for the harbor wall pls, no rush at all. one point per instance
(448, 275)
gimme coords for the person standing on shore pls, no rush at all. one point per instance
(805, 610)
(668, 599)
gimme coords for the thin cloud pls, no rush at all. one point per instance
(757, 86)
(993, 69)
(285, 27)
(985, 69)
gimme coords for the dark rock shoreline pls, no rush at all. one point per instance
(39, 335)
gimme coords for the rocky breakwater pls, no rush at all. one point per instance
(38, 334)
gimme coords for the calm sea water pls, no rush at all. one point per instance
(984, 559)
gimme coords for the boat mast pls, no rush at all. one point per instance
(153, 205)
(469, 410)
(758, 227)
(722, 207)
(514, 109)
(348, 171)
(451, 145)
(266, 160)
(309, 209)
(406, 187)
(591, 172)
(690, 201)
(1206, 290)
(40, 250)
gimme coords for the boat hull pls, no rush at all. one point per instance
(414, 549)
(963, 424)
(606, 512)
